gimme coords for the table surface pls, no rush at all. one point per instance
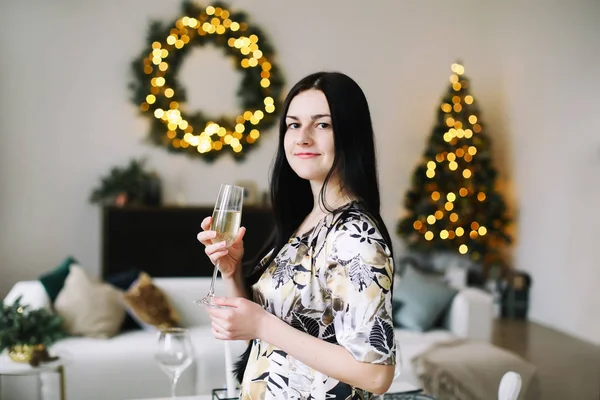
(9, 367)
(397, 387)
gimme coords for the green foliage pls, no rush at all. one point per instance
(251, 94)
(20, 325)
(460, 201)
(130, 180)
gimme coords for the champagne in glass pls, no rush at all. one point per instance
(174, 354)
(226, 220)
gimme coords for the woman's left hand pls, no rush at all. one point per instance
(241, 320)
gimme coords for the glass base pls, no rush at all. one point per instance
(208, 302)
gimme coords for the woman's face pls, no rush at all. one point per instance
(308, 140)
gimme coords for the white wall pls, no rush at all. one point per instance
(65, 118)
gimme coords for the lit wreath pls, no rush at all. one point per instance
(157, 91)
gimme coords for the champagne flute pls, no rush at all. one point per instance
(174, 353)
(226, 220)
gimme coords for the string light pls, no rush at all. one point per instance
(459, 128)
(213, 137)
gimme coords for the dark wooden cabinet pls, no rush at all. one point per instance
(162, 240)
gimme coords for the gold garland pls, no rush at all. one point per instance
(157, 91)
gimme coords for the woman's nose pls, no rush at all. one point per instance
(304, 138)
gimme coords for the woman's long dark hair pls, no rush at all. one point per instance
(354, 164)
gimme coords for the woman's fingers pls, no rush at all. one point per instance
(205, 237)
(240, 236)
(211, 248)
(205, 225)
(214, 257)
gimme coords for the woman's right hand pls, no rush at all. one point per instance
(230, 259)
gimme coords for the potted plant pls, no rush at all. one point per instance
(128, 185)
(28, 333)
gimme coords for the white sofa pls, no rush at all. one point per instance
(123, 368)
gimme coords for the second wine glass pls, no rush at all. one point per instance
(226, 220)
(174, 353)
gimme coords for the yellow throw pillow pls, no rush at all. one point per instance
(149, 305)
(88, 307)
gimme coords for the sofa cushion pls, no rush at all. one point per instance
(424, 300)
(88, 307)
(54, 280)
(123, 281)
(149, 305)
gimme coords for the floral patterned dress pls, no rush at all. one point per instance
(334, 283)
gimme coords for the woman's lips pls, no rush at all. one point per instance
(306, 155)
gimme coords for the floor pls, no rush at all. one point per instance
(568, 368)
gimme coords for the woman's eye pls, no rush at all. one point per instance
(293, 125)
(323, 125)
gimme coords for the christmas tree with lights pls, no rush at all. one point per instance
(453, 204)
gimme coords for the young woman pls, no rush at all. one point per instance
(317, 307)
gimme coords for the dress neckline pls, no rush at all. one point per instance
(322, 220)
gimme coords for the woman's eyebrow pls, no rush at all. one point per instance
(314, 117)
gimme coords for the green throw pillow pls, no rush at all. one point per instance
(54, 280)
(424, 298)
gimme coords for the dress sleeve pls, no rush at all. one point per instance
(359, 274)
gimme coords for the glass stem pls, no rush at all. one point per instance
(211, 290)
(174, 385)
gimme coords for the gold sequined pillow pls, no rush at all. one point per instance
(149, 306)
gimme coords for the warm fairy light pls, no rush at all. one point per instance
(439, 215)
(458, 69)
(444, 234)
(474, 225)
(451, 197)
(417, 225)
(472, 150)
(453, 217)
(453, 165)
(429, 235)
(446, 107)
(468, 133)
(463, 249)
(469, 99)
(435, 196)
(431, 165)
(430, 173)
(482, 230)
(460, 231)
(450, 121)
(467, 173)
(217, 23)
(481, 196)
(472, 119)
(431, 219)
